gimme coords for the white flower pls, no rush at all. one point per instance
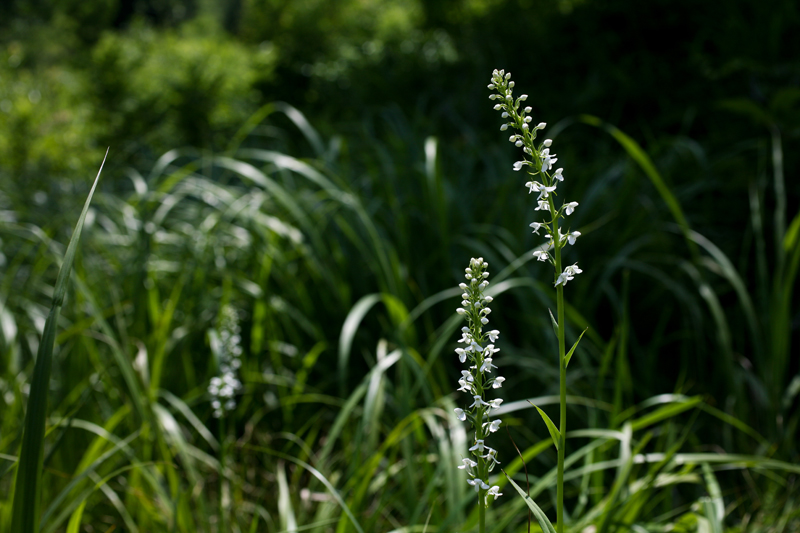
(491, 456)
(547, 159)
(467, 464)
(563, 278)
(484, 321)
(466, 375)
(569, 273)
(547, 143)
(478, 446)
(462, 354)
(477, 402)
(498, 382)
(461, 311)
(540, 255)
(493, 335)
(570, 207)
(460, 414)
(532, 186)
(558, 176)
(540, 126)
(494, 425)
(487, 366)
(478, 484)
(572, 236)
(465, 387)
(519, 164)
(543, 206)
(494, 491)
(545, 191)
(490, 350)
(536, 227)
(573, 269)
(495, 404)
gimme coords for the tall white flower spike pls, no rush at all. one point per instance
(477, 379)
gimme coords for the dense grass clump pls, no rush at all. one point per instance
(337, 257)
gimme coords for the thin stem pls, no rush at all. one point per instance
(562, 374)
(222, 482)
(481, 512)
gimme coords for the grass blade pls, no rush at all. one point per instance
(544, 522)
(26, 517)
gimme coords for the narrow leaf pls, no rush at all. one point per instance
(553, 320)
(554, 432)
(75, 520)
(572, 350)
(26, 506)
(544, 522)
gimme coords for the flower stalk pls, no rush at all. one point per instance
(538, 162)
(478, 354)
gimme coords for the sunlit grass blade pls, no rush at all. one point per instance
(544, 522)
(26, 517)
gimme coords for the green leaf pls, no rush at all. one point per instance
(544, 522)
(554, 432)
(26, 506)
(572, 350)
(553, 320)
(75, 520)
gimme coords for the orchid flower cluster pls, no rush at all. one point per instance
(539, 163)
(227, 345)
(478, 354)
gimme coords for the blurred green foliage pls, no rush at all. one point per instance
(406, 178)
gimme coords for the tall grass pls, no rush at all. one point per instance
(339, 254)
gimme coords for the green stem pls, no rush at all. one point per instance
(562, 374)
(562, 367)
(481, 513)
(222, 440)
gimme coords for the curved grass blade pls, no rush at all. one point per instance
(25, 518)
(641, 158)
(317, 474)
(544, 522)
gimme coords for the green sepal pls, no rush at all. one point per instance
(554, 432)
(544, 522)
(572, 350)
